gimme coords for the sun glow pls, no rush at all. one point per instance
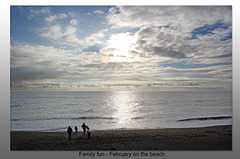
(122, 44)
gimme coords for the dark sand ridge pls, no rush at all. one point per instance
(207, 138)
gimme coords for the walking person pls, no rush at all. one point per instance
(76, 129)
(69, 131)
(84, 128)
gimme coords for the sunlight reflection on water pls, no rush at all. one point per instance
(125, 105)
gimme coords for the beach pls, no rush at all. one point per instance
(204, 138)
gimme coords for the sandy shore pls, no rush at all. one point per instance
(208, 138)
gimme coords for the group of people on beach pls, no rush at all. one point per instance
(84, 127)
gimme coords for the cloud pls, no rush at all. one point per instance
(68, 36)
(182, 18)
(175, 84)
(38, 63)
(42, 11)
(62, 15)
(53, 18)
(163, 42)
(167, 32)
(120, 58)
(92, 85)
(49, 67)
(99, 12)
(74, 22)
(95, 38)
(206, 74)
(170, 42)
(175, 46)
(31, 64)
(52, 32)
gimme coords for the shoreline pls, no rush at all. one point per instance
(200, 138)
(119, 129)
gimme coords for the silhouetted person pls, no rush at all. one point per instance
(84, 128)
(69, 130)
(76, 129)
(88, 132)
(87, 128)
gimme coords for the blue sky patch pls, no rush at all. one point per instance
(208, 29)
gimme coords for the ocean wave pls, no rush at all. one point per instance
(66, 118)
(138, 118)
(89, 111)
(56, 129)
(207, 118)
(73, 104)
(18, 119)
(16, 105)
(94, 117)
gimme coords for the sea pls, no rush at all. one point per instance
(56, 110)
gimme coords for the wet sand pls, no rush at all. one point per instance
(207, 138)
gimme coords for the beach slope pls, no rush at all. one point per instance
(207, 138)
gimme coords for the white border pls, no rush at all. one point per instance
(121, 2)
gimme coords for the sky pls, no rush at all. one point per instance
(109, 48)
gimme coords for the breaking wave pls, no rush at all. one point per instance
(207, 118)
